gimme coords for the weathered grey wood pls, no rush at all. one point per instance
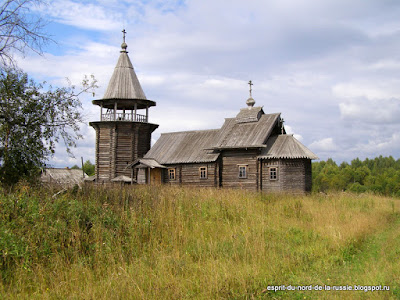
(118, 144)
(253, 141)
(285, 146)
(189, 174)
(293, 175)
(230, 173)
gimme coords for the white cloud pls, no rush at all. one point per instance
(324, 145)
(371, 111)
(369, 90)
(379, 146)
(83, 15)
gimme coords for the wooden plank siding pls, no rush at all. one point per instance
(230, 170)
(293, 175)
(118, 144)
(267, 184)
(103, 163)
(123, 149)
(189, 174)
(142, 176)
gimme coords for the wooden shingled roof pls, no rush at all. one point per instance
(146, 163)
(124, 83)
(249, 114)
(285, 146)
(124, 86)
(184, 147)
(234, 134)
(204, 145)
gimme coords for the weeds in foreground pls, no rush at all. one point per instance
(173, 243)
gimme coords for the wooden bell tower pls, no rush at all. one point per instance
(123, 133)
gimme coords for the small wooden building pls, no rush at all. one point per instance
(63, 177)
(251, 150)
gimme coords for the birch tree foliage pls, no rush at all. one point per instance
(33, 119)
(21, 29)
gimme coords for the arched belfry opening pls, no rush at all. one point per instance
(123, 133)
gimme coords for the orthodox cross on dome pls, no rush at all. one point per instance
(124, 45)
(250, 84)
(124, 32)
(250, 102)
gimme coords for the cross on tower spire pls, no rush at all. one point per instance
(250, 102)
(250, 84)
(124, 45)
(124, 32)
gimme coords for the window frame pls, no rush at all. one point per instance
(172, 171)
(273, 173)
(205, 169)
(240, 173)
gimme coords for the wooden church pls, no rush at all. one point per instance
(250, 151)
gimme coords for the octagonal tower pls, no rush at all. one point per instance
(123, 133)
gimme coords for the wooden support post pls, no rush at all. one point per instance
(135, 111)
(101, 112)
(257, 175)
(147, 114)
(115, 111)
(261, 174)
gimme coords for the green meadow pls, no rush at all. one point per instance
(166, 242)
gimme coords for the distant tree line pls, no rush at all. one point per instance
(380, 175)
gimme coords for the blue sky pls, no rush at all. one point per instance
(332, 68)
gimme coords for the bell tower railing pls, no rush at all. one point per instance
(127, 117)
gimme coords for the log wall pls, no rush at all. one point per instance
(189, 174)
(267, 184)
(118, 144)
(293, 175)
(230, 169)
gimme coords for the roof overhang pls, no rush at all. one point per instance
(124, 103)
(261, 157)
(146, 163)
(285, 146)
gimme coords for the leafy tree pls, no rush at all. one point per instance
(33, 121)
(88, 167)
(356, 163)
(20, 30)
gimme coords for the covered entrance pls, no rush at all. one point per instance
(149, 171)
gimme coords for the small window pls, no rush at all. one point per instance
(203, 172)
(273, 173)
(242, 171)
(171, 174)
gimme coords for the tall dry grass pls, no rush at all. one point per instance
(175, 243)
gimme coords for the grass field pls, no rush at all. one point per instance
(184, 243)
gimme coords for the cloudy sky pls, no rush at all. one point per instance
(332, 67)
